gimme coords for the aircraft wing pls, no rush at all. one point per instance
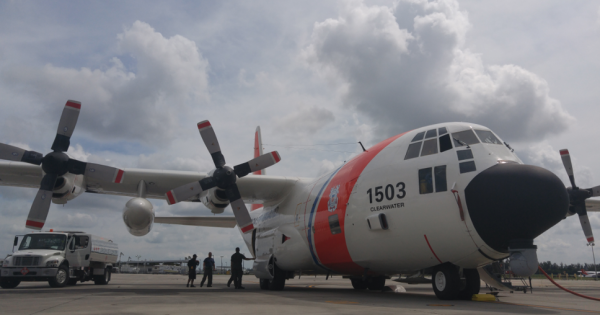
(225, 222)
(253, 188)
(592, 205)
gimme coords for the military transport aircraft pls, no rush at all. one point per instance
(443, 200)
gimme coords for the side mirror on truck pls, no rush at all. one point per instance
(16, 242)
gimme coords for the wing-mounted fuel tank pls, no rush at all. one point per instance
(67, 187)
(138, 213)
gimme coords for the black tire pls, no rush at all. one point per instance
(9, 283)
(104, 278)
(472, 284)
(278, 282)
(264, 284)
(61, 278)
(376, 283)
(72, 281)
(446, 282)
(358, 284)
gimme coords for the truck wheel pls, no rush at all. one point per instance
(358, 284)
(472, 284)
(376, 283)
(60, 279)
(103, 279)
(9, 283)
(446, 282)
(264, 284)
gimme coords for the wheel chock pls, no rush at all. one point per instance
(484, 297)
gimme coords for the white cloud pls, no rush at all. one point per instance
(406, 66)
(118, 103)
(305, 121)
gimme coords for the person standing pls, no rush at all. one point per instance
(192, 263)
(209, 267)
(236, 268)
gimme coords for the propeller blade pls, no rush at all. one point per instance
(11, 153)
(594, 191)
(96, 171)
(587, 228)
(187, 191)
(242, 216)
(257, 164)
(66, 125)
(212, 144)
(566, 159)
(41, 203)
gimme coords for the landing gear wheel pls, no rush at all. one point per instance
(358, 283)
(278, 282)
(472, 284)
(72, 281)
(60, 279)
(264, 284)
(376, 283)
(9, 283)
(103, 279)
(446, 282)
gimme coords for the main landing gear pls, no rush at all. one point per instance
(449, 285)
(278, 281)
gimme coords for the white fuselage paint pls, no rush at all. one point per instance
(296, 233)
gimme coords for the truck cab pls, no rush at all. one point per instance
(61, 258)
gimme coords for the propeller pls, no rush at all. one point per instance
(223, 177)
(577, 197)
(56, 164)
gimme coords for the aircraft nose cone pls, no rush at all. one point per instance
(514, 201)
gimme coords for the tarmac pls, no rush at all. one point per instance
(167, 294)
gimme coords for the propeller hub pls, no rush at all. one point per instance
(55, 163)
(224, 177)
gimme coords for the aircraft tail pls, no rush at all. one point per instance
(258, 151)
(584, 272)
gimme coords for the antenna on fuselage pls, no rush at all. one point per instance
(362, 146)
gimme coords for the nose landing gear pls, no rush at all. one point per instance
(449, 285)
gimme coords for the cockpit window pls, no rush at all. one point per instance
(487, 136)
(413, 150)
(464, 138)
(442, 131)
(431, 134)
(418, 136)
(429, 147)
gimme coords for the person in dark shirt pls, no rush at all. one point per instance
(192, 263)
(236, 268)
(209, 266)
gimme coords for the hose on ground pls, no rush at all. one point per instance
(558, 285)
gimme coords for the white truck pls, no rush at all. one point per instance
(61, 258)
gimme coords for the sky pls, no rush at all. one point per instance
(317, 76)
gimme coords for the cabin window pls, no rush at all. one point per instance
(334, 224)
(466, 167)
(464, 155)
(429, 147)
(464, 138)
(413, 150)
(425, 181)
(431, 134)
(81, 242)
(445, 143)
(440, 178)
(487, 136)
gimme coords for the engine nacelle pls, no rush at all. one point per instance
(67, 187)
(138, 216)
(215, 199)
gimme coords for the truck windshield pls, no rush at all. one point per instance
(44, 241)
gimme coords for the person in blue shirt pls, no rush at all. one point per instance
(209, 267)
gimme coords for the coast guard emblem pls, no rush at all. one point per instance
(333, 198)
